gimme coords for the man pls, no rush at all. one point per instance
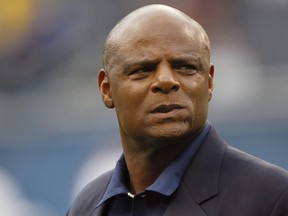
(158, 76)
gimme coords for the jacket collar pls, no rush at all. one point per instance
(202, 176)
(201, 180)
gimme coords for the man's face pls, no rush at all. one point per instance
(160, 82)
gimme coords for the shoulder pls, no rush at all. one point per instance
(91, 195)
(245, 181)
(251, 166)
(250, 177)
(243, 165)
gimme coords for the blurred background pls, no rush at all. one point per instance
(55, 133)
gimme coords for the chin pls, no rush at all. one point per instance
(171, 132)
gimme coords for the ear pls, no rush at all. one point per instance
(210, 81)
(105, 88)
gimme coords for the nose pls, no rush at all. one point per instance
(164, 81)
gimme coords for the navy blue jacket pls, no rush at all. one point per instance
(220, 181)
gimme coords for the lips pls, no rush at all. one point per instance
(166, 108)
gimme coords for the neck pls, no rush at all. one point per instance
(146, 164)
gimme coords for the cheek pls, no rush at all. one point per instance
(128, 99)
(197, 88)
(202, 98)
(199, 98)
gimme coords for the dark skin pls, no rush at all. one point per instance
(159, 79)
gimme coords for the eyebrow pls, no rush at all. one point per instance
(185, 59)
(177, 59)
(140, 62)
(196, 60)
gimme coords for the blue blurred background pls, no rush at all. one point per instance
(55, 133)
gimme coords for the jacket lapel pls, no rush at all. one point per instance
(201, 181)
(203, 174)
(182, 204)
(97, 191)
(99, 211)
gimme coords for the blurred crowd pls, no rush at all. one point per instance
(37, 36)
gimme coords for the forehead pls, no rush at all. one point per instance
(158, 48)
(155, 35)
(168, 43)
(160, 29)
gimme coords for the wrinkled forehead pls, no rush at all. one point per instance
(151, 44)
(144, 28)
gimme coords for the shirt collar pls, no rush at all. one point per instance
(169, 179)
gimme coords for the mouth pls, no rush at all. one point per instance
(167, 108)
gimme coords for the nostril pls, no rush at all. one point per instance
(156, 89)
(175, 87)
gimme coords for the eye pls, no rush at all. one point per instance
(141, 72)
(186, 69)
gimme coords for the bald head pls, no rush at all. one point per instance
(153, 21)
